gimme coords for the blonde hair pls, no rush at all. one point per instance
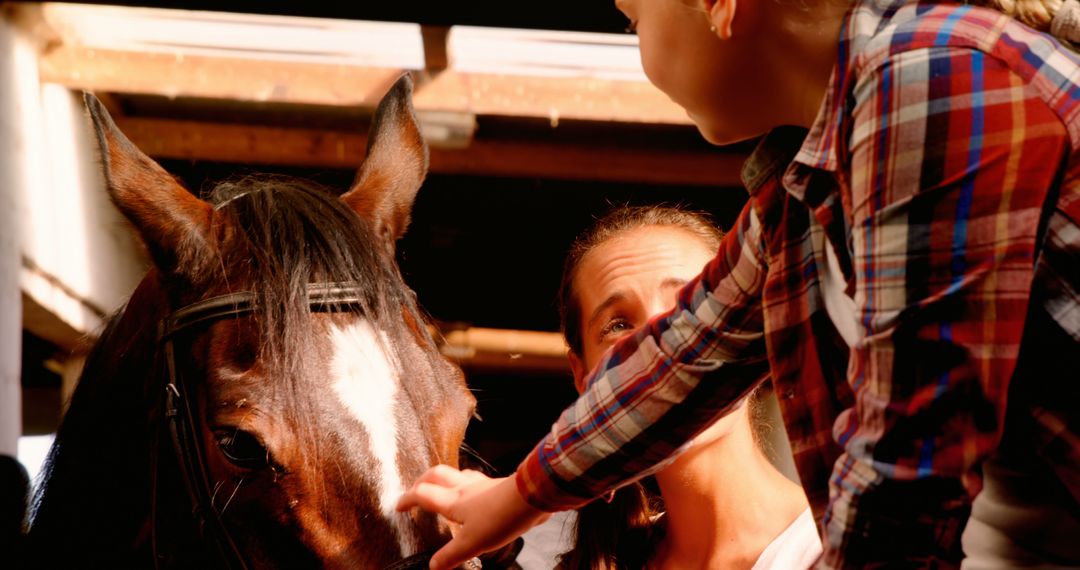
(1039, 15)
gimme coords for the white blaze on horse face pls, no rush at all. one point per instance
(365, 379)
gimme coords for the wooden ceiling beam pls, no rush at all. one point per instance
(551, 98)
(188, 75)
(503, 350)
(248, 144)
(311, 83)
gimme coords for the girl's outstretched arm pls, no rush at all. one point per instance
(487, 513)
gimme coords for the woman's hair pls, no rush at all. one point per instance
(619, 534)
(615, 223)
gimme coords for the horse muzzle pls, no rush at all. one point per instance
(422, 560)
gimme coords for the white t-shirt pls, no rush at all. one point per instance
(546, 542)
(798, 547)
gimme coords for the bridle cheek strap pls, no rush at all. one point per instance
(180, 418)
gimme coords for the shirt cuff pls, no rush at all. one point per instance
(538, 488)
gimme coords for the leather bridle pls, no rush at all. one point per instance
(180, 413)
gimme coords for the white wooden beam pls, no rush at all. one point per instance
(17, 83)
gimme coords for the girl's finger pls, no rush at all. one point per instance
(444, 475)
(451, 555)
(430, 497)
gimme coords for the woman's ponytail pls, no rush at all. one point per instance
(616, 534)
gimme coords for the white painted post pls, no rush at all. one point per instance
(14, 49)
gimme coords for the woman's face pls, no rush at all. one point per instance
(719, 82)
(628, 279)
(631, 277)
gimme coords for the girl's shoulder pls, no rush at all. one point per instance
(931, 37)
(881, 34)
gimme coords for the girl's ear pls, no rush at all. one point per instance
(721, 16)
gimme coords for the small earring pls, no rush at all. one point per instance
(712, 29)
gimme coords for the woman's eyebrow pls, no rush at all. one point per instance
(673, 283)
(611, 300)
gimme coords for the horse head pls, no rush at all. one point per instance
(295, 388)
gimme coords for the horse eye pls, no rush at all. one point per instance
(242, 448)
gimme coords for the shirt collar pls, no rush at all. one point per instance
(771, 156)
(821, 148)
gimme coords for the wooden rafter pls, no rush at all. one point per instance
(507, 350)
(193, 140)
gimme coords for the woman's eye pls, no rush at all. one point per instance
(615, 326)
(242, 448)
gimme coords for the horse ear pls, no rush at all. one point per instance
(174, 223)
(395, 165)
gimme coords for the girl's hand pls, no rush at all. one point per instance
(489, 513)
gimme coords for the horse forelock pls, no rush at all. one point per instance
(283, 234)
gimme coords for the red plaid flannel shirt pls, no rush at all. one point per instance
(942, 173)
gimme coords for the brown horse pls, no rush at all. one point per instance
(270, 388)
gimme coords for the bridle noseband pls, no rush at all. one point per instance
(180, 413)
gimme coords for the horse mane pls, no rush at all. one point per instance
(98, 467)
(278, 235)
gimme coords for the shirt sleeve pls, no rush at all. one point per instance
(952, 157)
(656, 389)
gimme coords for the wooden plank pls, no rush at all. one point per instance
(512, 342)
(436, 58)
(552, 98)
(502, 350)
(248, 144)
(216, 77)
(511, 364)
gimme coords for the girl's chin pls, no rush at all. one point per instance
(713, 136)
(707, 129)
(718, 136)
